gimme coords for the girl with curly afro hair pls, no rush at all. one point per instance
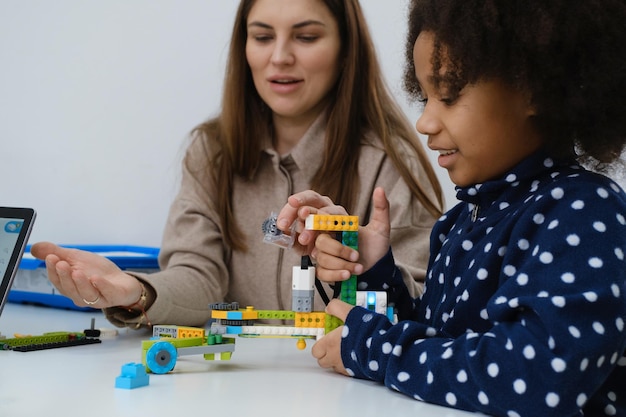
(524, 307)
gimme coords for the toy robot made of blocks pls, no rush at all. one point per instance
(160, 353)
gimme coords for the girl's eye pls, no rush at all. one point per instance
(449, 97)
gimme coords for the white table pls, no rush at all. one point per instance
(265, 377)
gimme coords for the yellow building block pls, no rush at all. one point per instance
(188, 332)
(314, 319)
(331, 222)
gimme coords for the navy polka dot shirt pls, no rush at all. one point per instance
(524, 306)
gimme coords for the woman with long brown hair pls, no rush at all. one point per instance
(304, 106)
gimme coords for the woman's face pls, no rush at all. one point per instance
(482, 134)
(293, 49)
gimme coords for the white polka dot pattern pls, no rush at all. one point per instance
(523, 310)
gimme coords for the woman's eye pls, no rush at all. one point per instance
(308, 38)
(262, 38)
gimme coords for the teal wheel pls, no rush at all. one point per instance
(161, 357)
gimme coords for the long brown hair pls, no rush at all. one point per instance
(360, 103)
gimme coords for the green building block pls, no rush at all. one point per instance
(276, 315)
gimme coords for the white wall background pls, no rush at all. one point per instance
(96, 100)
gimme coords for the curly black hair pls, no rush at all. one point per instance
(569, 55)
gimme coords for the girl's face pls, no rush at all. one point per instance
(480, 135)
(293, 49)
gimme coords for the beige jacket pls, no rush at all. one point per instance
(197, 269)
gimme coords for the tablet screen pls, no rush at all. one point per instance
(15, 227)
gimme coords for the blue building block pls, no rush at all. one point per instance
(234, 329)
(133, 375)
